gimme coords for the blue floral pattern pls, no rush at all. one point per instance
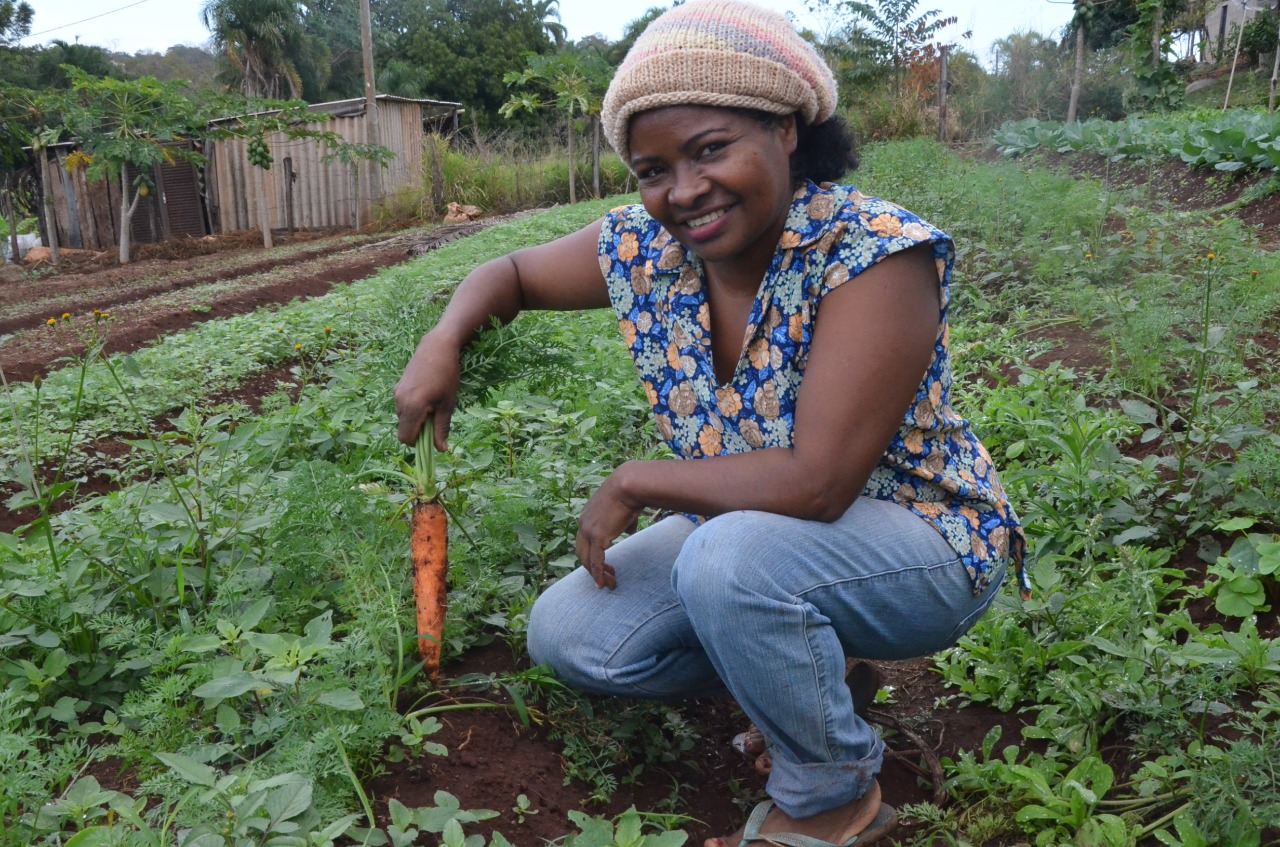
(934, 465)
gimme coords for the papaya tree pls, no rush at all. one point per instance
(572, 84)
(15, 134)
(123, 124)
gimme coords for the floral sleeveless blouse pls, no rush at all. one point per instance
(934, 465)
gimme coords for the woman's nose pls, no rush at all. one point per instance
(688, 184)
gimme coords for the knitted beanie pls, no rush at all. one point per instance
(718, 53)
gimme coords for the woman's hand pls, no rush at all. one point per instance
(608, 514)
(428, 388)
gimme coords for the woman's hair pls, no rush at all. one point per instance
(824, 152)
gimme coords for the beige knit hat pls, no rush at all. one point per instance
(718, 53)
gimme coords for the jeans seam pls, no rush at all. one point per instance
(819, 672)
(936, 566)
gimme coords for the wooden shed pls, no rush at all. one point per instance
(305, 188)
(87, 214)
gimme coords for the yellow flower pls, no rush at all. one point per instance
(297, 347)
(1088, 255)
(51, 322)
(1253, 274)
(328, 330)
(66, 316)
(1211, 256)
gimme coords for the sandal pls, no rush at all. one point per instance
(885, 821)
(863, 679)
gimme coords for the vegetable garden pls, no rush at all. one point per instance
(221, 649)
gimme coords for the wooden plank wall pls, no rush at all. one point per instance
(82, 211)
(324, 192)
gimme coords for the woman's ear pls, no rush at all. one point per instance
(790, 133)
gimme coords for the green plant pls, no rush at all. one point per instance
(1246, 579)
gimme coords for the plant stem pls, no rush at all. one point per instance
(424, 463)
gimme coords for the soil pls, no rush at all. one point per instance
(493, 758)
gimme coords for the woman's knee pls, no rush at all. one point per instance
(727, 561)
(552, 623)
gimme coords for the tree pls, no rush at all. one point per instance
(549, 12)
(893, 33)
(15, 21)
(129, 124)
(15, 134)
(575, 83)
(53, 61)
(263, 43)
(462, 49)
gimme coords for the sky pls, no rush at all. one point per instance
(131, 26)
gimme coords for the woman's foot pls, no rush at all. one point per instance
(865, 817)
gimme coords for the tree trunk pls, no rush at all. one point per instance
(595, 154)
(11, 214)
(573, 194)
(51, 223)
(1078, 75)
(943, 61)
(264, 217)
(1157, 36)
(1275, 76)
(373, 128)
(126, 215)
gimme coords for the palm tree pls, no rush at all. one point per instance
(548, 11)
(261, 40)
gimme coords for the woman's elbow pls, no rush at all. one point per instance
(823, 499)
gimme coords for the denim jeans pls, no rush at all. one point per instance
(765, 607)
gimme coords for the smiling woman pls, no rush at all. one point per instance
(823, 501)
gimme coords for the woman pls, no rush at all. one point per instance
(792, 338)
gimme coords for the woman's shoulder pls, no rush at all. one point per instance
(879, 216)
(631, 217)
(856, 229)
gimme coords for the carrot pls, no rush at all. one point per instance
(429, 543)
(429, 550)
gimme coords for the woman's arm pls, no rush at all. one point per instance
(563, 274)
(872, 342)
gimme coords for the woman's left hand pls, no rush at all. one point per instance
(607, 515)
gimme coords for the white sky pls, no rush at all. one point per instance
(133, 25)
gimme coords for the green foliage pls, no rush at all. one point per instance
(1231, 141)
(462, 51)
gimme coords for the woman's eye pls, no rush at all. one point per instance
(648, 174)
(710, 149)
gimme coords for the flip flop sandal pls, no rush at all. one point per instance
(863, 679)
(885, 821)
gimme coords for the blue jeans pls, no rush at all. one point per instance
(765, 607)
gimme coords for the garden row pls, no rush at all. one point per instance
(234, 629)
(1225, 141)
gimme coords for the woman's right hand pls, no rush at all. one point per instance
(428, 388)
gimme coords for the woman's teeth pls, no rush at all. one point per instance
(705, 219)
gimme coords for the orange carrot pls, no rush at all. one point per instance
(429, 546)
(429, 550)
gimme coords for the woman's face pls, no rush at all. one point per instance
(718, 180)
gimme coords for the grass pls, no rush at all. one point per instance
(251, 595)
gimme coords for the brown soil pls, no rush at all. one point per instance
(493, 759)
